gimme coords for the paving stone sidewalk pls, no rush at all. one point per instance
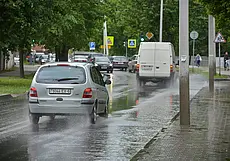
(206, 139)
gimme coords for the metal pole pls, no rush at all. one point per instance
(184, 64)
(126, 49)
(211, 52)
(104, 38)
(219, 61)
(161, 21)
(193, 53)
(214, 45)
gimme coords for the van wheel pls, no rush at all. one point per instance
(34, 119)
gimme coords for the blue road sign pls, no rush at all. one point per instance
(132, 43)
(92, 46)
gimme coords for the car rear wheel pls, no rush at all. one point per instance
(93, 115)
(34, 119)
(125, 69)
(52, 117)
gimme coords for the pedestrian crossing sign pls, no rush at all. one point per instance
(132, 43)
(219, 38)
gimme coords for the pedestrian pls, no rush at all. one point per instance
(226, 65)
(198, 59)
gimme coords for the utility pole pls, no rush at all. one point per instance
(184, 61)
(211, 48)
(161, 20)
(126, 48)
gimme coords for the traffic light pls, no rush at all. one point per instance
(142, 37)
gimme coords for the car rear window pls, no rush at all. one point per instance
(120, 59)
(61, 75)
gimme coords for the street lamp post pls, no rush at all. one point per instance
(161, 21)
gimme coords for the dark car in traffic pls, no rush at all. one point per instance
(103, 64)
(120, 62)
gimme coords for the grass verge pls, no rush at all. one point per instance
(15, 85)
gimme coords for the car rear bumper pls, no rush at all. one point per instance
(120, 66)
(60, 110)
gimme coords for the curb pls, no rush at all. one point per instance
(6, 97)
(221, 79)
(155, 137)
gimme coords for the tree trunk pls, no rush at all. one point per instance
(21, 66)
(64, 53)
(57, 51)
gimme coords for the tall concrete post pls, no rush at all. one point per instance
(184, 61)
(211, 50)
(214, 34)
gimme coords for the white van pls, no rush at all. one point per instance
(156, 62)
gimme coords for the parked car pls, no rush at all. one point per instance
(16, 60)
(120, 62)
(103, 64)
(89, 55)
(80, 58)
(132, 64)
(65, 88)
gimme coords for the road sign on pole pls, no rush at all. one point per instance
(132, 43)
(194, 36)
(149, 35)
(219, 39)
(92, 45)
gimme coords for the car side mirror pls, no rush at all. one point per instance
(108, 82)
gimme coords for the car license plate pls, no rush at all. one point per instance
(59, 91)
(146, 67)
(103, 67)
(120, 63)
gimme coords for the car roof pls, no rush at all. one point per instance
(81, 64)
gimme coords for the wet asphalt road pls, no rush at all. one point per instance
(136, 115)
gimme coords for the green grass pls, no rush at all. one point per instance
(206, 74)
(15, 85)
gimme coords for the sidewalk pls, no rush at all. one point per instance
(208, 136)
(28, 69)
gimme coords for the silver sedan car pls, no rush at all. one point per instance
(68, 88)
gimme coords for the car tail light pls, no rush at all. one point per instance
(87, 93)
(83, 60)
(75, 60)
(137, 67)
(63, 65)
(33, 92)
(171, 68)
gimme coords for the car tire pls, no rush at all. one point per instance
(107, 71)
(130, 71)
(34, 119)
(126, 69)
(93, 115)
(111, 71)
(106, 112)
(52, 117)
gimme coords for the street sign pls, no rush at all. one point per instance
(102, 47)
(132, 43)
(149, 35)
(92, 45)
(219, 38)
(194, 35)
(110, 40)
